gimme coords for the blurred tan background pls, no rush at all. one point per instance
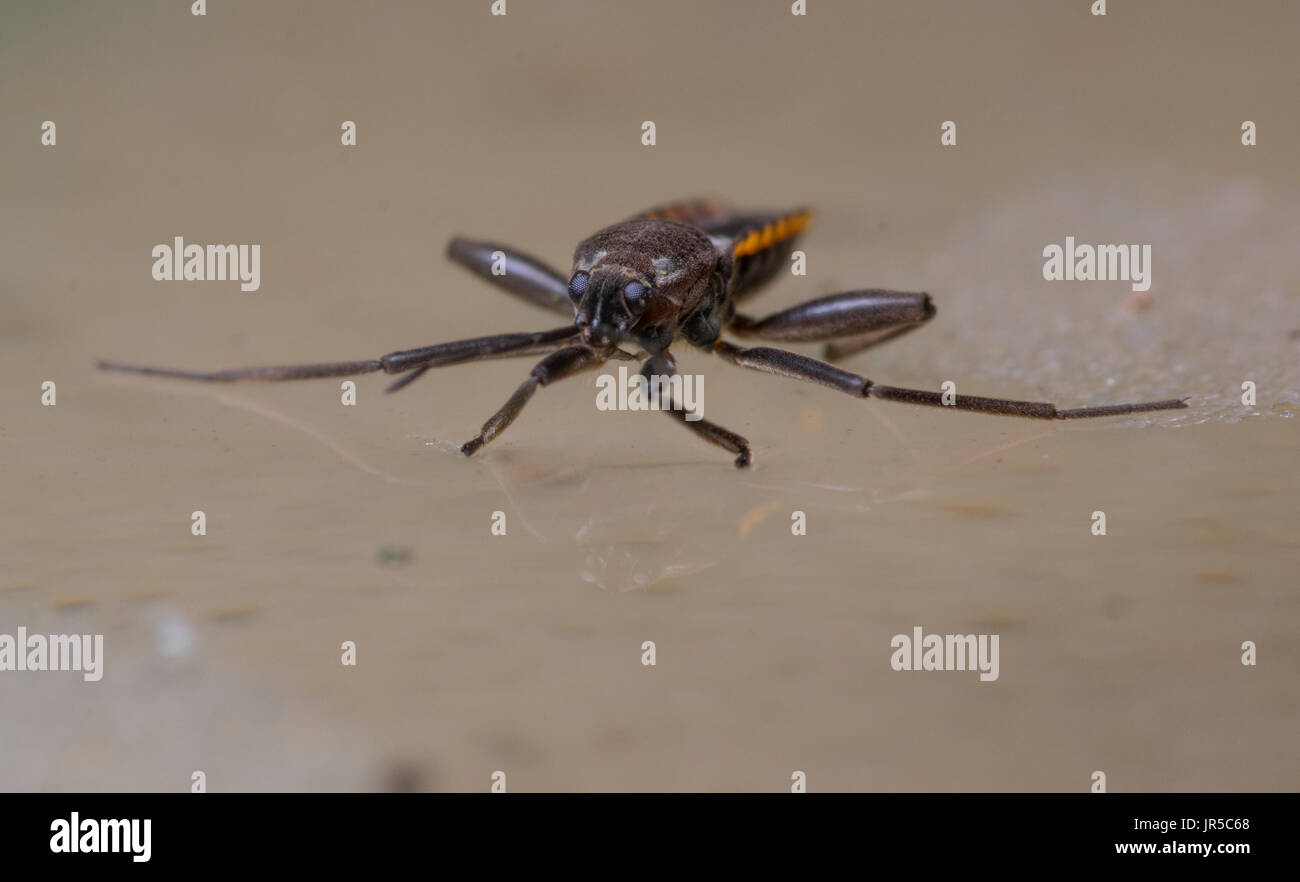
(522, 653)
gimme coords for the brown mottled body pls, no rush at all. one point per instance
(686, 266)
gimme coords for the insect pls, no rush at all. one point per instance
(676, 272)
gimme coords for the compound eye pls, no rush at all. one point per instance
(635, 295)
(577, 285)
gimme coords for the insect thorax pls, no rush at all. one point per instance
(677, 263)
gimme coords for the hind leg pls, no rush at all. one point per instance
(855, 320)
(802, 367)
(525, 276)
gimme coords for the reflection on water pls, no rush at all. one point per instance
(640, 547)
(644, 538)
(629, 527)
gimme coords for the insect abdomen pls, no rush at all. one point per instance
(761, 248)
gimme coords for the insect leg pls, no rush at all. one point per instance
(417, 360)
(856, 320)
(555, 366)
(803, 367)
(476, 349)
(664, 366)
(525, 276)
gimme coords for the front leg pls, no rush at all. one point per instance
(555, 366)
(665, 366)
(412, 362)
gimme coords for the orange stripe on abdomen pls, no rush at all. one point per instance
(773, 233)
